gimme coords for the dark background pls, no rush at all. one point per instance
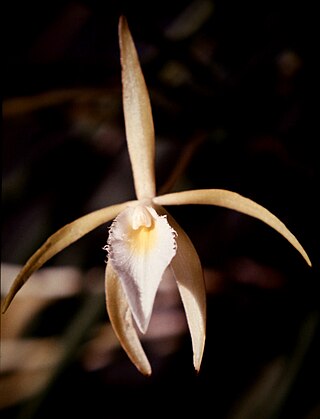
(236, 78)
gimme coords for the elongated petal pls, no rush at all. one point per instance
(186, 269)
(234, 201)
(137, 115)
(140, 253)
(121, 321)
(59, 241)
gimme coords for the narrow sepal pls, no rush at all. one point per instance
(138, 116)
(121, 321)
(59, 241)
(187, 271)
(234, 201)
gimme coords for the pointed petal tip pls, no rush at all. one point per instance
(197, 369)
(197, 360)
(307, 259)
(17, 284)
(146, 372)
(4, 306)
(198, 351)
(122, 23)
(122, 19)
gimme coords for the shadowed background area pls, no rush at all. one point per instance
(231, 86)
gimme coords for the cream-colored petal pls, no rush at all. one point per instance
(234, 201)
(121, 321)
(59, 241)
(137, 115)
(141, 245)
(186, 269)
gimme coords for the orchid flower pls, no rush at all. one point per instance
(145, 244)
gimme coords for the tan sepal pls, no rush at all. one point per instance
(137, 115)
(59, 241)
(187, 270)
(122, 323)
(234, 201)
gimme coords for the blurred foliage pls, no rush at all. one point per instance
(231, 86)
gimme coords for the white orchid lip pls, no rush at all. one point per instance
(140, 247)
